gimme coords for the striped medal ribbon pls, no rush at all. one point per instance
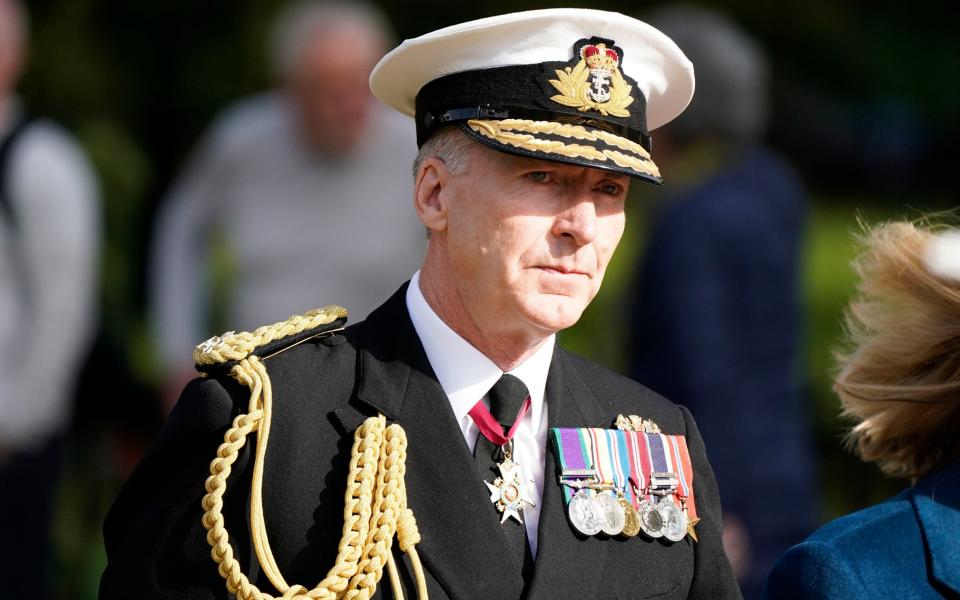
(610, 472)
(579, 476)
(664, 481)
(622, 482)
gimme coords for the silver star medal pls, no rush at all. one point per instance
(507, 492)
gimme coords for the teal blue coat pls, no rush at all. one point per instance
(906, 547)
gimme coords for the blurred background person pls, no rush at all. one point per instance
(298, 184)
(49, 241)
(899, 384)
(716, 309)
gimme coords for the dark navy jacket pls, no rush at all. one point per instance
(322, 390)
(906, 547)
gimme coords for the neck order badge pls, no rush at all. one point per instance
(506, 491)
(624, 481)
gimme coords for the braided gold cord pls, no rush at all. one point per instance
(237, 346)
(375, 506)
(519, 133)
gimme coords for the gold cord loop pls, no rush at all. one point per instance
(375, 503)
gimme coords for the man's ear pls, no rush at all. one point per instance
(431, 193)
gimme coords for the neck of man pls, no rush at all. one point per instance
(506, 348)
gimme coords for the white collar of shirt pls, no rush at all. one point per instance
(465, 374)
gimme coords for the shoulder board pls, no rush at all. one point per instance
(221, 352)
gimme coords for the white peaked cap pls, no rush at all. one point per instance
(649, 61)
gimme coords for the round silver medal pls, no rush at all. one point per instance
(610, 513)
(651, 521)
(582, 514)
(674, 521)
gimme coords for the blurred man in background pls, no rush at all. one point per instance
(717, 323)
(49, 240)
(307, 170)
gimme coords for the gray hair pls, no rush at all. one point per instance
(450, 145)
(732, 74)
(302, 21)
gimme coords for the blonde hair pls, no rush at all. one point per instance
(899, 380)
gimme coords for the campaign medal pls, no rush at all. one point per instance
(507, 492)
(651, 520)
(674, 521)
(582, 514)
(576, 474)
(626, 481)
(610, 512)
(631, 520)
(676, 448)
(613, 469)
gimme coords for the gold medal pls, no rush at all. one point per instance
(631, 520)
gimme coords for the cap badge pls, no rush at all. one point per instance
(595, 82)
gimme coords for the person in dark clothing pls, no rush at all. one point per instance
(716, 320)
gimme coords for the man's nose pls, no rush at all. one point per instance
(578, 221)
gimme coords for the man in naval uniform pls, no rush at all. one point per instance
(531, 127)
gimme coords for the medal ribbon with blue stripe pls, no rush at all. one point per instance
(621, 457)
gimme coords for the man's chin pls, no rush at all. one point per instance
(555, 313)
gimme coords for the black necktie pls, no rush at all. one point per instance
(506, 398)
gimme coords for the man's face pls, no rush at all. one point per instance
(329, 87)
(529, 240)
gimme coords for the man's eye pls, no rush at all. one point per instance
(539, 176)
(610, 188)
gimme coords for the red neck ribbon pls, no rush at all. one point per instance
(490, 427)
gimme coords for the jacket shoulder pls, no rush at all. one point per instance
(222, 352)
(859, 532)
(853, 554)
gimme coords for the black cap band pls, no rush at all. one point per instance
(519, 92)
(429, 122)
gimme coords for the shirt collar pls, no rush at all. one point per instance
(464, 372)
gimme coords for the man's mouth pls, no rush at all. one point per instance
(562, 270)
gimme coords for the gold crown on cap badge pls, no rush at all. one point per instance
(594, 83)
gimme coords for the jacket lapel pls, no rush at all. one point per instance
(444, 488)
(937, 503)
(566, 560)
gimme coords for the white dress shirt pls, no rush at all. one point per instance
(466, 376)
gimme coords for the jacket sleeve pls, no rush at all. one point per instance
(155, 541)
(713, 578)
(813, 571)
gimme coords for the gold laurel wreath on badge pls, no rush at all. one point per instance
(574, 87)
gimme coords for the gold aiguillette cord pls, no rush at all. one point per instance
(375, 506)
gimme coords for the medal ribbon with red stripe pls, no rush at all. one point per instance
(625, 459)
(490, 428)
